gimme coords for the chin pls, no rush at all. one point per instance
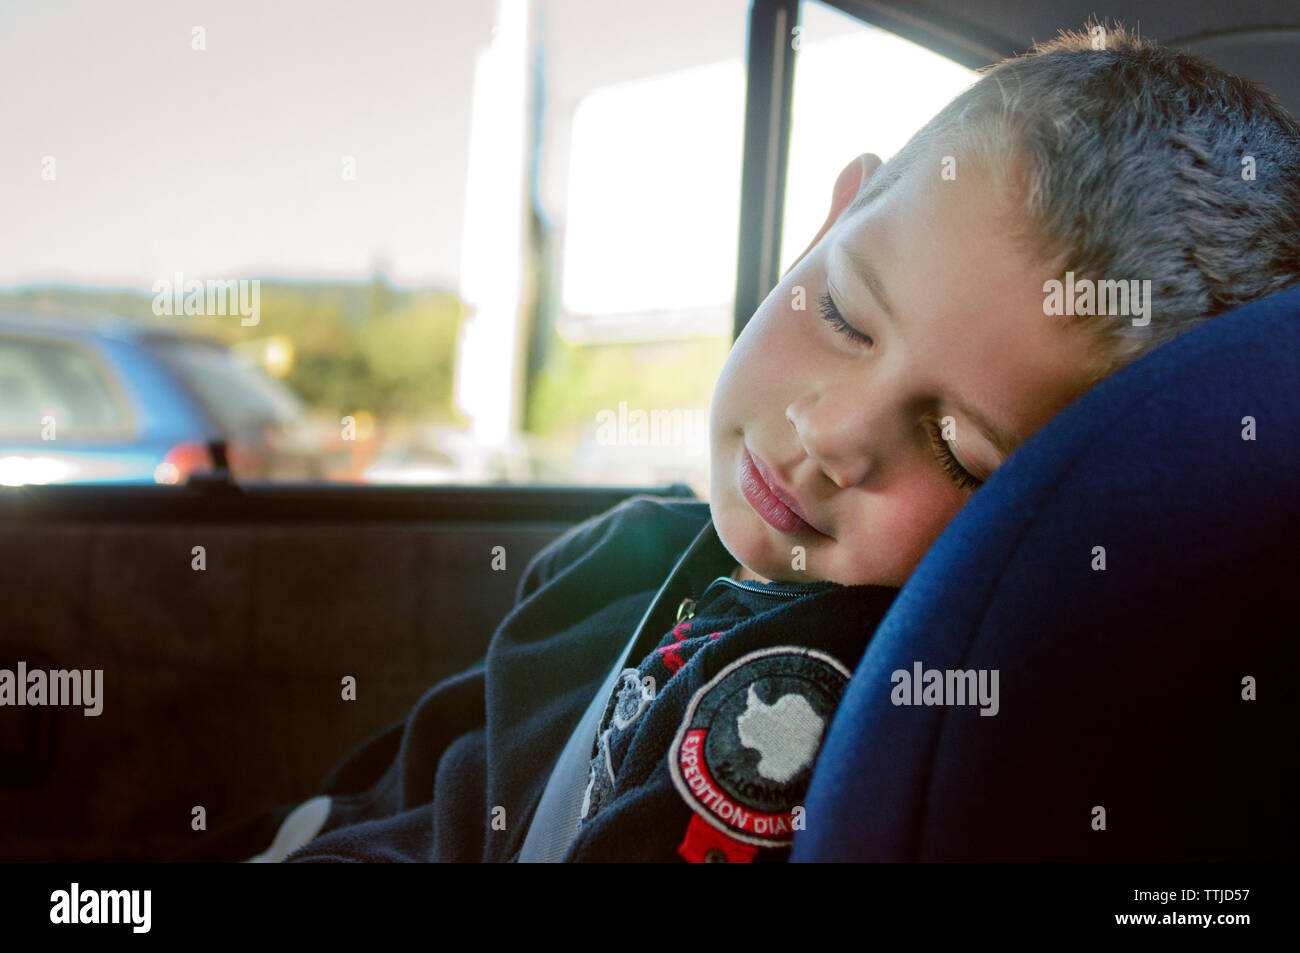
(739, 528)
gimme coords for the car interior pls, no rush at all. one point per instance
(226, 681)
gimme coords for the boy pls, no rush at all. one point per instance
(906, 354)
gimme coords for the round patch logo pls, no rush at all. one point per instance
(744, 753)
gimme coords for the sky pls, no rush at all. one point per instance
(230, 159)
(331, 139)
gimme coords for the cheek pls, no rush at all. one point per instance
(758, 366)
(901, 526)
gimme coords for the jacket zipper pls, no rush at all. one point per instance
(783, 592)
(686, 608)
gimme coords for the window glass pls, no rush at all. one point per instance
(856, 89)
(237, 397)
(470, 242)
(44, 383)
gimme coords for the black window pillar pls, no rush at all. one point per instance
(769, 89)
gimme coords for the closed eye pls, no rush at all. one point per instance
(948, 461)
(832, 316)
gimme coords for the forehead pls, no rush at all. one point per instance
(967, 299)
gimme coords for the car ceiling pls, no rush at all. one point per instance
(1259, 40)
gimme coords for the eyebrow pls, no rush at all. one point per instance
(870, 277)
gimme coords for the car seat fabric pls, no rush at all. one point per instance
(1121, 732)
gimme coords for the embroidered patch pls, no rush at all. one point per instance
(631, 697)
(634, 695)
(744, 753)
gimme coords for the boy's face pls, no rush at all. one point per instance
(849, 427)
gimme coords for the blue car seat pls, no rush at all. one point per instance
(1131, 575)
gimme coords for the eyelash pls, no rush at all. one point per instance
(943, 453)
(831, 315)
(958, 473)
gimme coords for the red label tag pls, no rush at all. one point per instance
(705, 844)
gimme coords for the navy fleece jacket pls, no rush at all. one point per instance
(705, 748)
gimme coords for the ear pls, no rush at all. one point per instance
(846, 190)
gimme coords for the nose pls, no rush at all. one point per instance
(846, 429)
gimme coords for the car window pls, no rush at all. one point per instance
(52, 391)
(239, 398)
(890, 86)
(473, 241)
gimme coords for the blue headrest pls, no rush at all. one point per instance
(1128, 726)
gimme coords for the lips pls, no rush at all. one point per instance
(773, 502)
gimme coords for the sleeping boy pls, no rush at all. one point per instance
(902, 359)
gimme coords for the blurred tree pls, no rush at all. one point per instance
(367, 346)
